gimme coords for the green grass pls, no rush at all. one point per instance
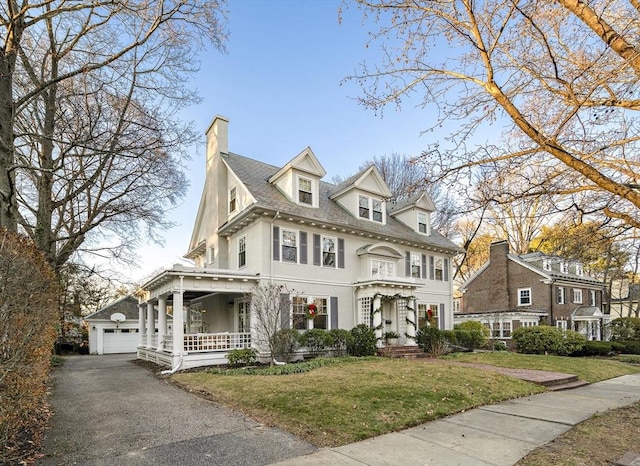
(357, 399)
(587, 369)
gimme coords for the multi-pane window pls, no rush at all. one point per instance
(506, 329)
(301, 320)
(564, 267)
(243, 317)
(242, 251)
(561, 324)
(232, 200)
(211, 255)
(328, 252)
(377, 210)
(422, 222)
(592, 297)
(546, 264)
(433, 316)
(579, 270)
(382, 268)
(524, 296)
(439, 268)
(305, 193)
(528, 323)
(576, 296)
(363, 207)
(501, 329)
(289, 245)
(415, 265)
(299, 312)
(560, 298)
(370, 208)
(423, 319)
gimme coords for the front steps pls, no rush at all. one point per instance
(406, 352)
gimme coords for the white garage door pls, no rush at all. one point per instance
(124, 340)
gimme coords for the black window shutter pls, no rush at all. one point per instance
(333, 301)
(303, 247)
(424, 266)
(316, 250)
(340, 255)
(432, 268)
(284, 310)
(276, 243)
(407, 264)
(446, 269)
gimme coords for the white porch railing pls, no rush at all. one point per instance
(154, 340)
(202, 342)
(167, 343)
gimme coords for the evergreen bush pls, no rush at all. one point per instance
(363, 342)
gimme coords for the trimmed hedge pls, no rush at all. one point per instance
(363, 341)
(543, 339)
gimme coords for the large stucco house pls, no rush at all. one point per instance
(344, 248)
(511, 291)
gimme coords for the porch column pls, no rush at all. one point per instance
(598, 330)
(188, 322)
(162, 321)
(151, 324)
(178, 322)
(411, 327)
(141, 335)
(377, 319)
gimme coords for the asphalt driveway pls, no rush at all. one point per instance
(110, 411)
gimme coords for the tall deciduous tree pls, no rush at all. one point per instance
(564, 74)
(91, 148)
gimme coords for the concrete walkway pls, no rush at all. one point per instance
(110, 411)
(498, 435)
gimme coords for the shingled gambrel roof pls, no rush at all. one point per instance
(255, 175)
(127, 305)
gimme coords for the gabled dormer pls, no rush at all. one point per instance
(299, 179)
(364, 195)
(415, 212)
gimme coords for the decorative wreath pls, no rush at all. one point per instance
(312, 310)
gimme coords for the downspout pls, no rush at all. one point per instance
(179, 365)
(271, 249)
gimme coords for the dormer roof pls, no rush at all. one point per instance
(368, 180)
(420, 200)
(306, 162)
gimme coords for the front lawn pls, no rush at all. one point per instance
(357, 398)
(587, 369)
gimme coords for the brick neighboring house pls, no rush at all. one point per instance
(511, 291)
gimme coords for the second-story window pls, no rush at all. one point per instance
(439, 268)
(560, 298)
(289, 245)
(576, 296)
(232, 200)
(242, 251)
(328, 252)
(382, 268)
(415, 265)
(592, 297)
(305, 193)
(422, 223)
(524, 296)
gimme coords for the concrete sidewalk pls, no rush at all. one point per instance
(498, 434)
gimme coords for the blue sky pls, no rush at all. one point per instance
(281, 87)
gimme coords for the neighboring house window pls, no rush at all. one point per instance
(561, 324)
(528, 323)
(242, 251)
(524, 296)
(500, 329)
(592, 297)
(576, 296)
(370, 208)
(564, 267)
(305, 192)
(382, 268)
(415, 265)
(506, 329)
(579, 270)
(232, 200)
(289, 245)
(422, 222)
(546, 264)
(211, 255)
(328, 252)
(560, 298)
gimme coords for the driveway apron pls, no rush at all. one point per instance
(110, 411)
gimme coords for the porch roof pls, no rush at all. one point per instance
(586, 313)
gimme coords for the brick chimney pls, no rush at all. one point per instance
(499, 270)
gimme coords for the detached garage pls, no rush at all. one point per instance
(114, 328)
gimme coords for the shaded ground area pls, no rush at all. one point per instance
(109, 411)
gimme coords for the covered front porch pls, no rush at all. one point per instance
(208, 316)
(590, 322)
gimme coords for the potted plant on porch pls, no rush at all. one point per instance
(391, 338)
